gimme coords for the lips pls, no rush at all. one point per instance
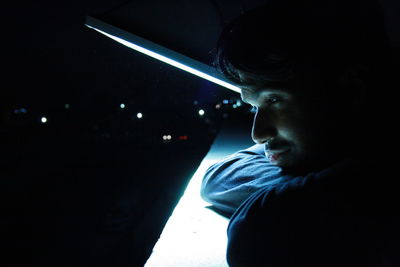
(274, 156)
(275, 148)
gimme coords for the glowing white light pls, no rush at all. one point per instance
(201, 112)
(44, 120)
(167, 137)
(122, 106)
(171, 62)
(139, 115)
(67, 106)
(192, 223)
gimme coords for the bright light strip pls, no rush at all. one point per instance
(171, 62)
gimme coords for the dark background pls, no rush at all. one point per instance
(94, 185)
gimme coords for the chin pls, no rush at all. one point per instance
(296, 164)
(285, 162)
(303, 166)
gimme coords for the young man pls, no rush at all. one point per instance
(317, 189)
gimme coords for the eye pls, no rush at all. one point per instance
(272, 100)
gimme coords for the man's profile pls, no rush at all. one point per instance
(317, 189)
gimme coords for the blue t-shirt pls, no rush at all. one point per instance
(343, 214)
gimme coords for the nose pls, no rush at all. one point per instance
(263, 127)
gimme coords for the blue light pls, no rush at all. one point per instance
(201, 73)
(19, 111)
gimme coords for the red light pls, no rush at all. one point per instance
(183, 137)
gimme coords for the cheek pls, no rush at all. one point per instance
(298, 136)
(306, 133)
(293, 123)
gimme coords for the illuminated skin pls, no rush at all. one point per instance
(299, 130)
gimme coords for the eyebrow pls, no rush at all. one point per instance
(256, 92)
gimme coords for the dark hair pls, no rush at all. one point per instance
(270, 45)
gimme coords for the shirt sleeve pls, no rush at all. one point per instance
(229, 182)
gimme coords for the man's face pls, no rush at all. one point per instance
(296, 128)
